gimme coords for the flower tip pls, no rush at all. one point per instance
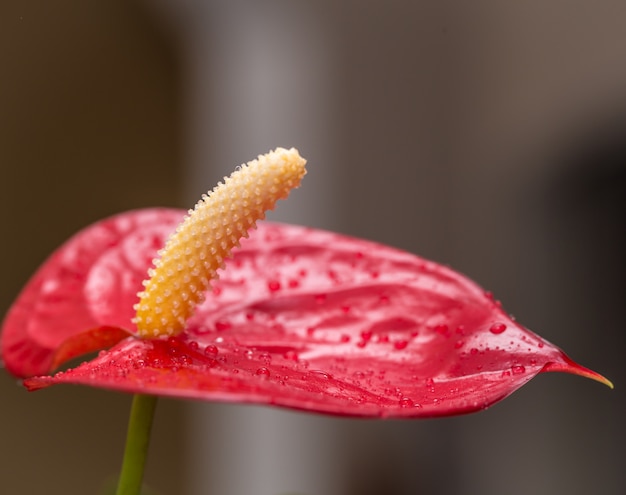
(570, 366)
(599, 378)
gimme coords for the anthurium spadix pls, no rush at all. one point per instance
(297, 317)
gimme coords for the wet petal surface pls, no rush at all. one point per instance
(300, 318)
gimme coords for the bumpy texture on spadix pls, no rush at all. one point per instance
(194, 253)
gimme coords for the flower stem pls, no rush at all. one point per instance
(137, 441)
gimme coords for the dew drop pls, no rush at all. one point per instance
(291, 355)
(406, 402)
(273, 285)
(400, 344)
(518, 369)
(193, 345)
(497, 328)
(210, 350)
(264, 372)
(221, 325)
(442, 329)
(320, 374)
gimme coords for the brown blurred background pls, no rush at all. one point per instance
(487, 135)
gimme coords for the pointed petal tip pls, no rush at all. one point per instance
(570, 366)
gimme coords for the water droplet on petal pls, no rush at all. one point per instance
(291, 355)
(222, 325)
(430, 383)
(264, 372)
(518, 369)
(210, 350)
(497, 328)
(273, 285)
(406, 402)
(266, 357)
(442, 329)
(320, 374)
(400, 344)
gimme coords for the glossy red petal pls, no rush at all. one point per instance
(88, 283)
(312, 320)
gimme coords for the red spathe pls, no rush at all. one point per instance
(300, 318)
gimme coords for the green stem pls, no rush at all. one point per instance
(137, 441)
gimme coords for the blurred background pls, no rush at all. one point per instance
(490, 136)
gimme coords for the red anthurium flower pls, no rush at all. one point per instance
(300, 318)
